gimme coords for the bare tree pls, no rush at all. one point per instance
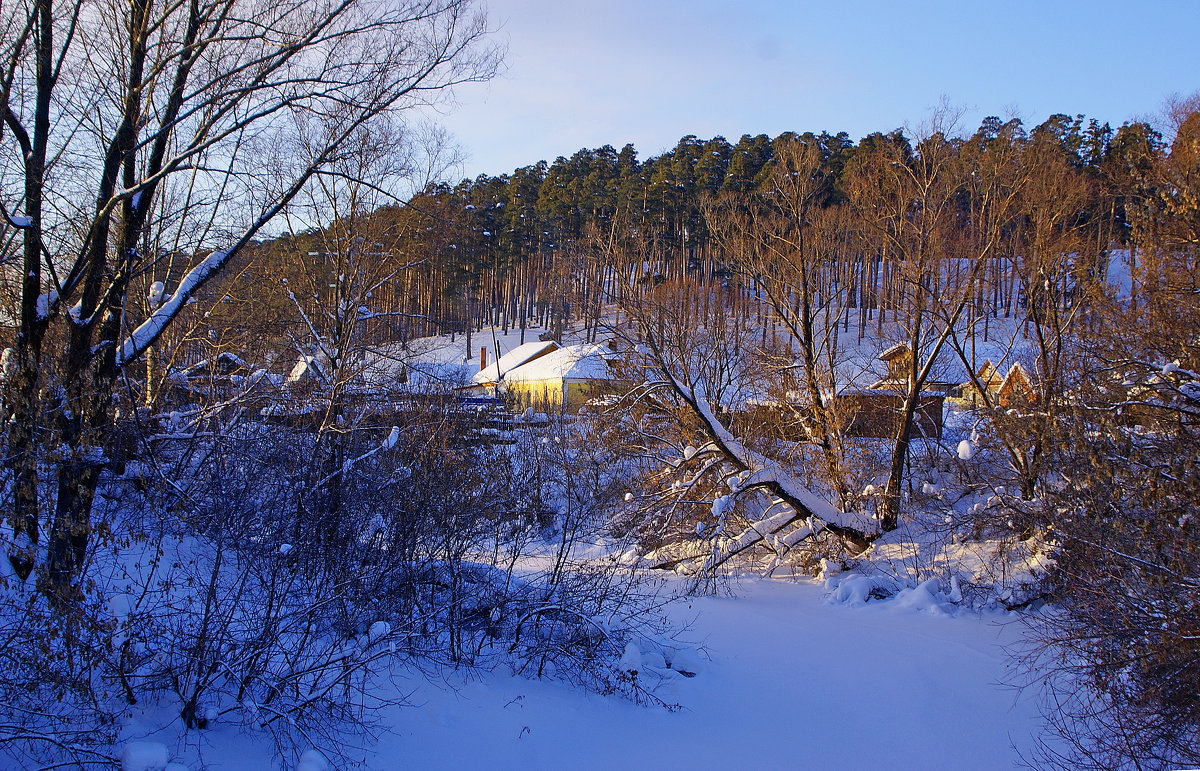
(1052, 264)
(1118, 661)
(907, 199)
(693, 373)
(128, 117)
(781, 241)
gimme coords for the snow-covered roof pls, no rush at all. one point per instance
(227, 364)
(307, 367)
(510, 361)
(1017, 377)
(572, 362)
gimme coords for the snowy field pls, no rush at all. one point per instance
(787, 673)
(786, 679)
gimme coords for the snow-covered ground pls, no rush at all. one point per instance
(791, 681)
(786, 679)
(787, 674)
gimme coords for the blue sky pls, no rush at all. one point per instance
(649, 72)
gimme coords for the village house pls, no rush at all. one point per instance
(1016, 390)
(945, 377)
(487, 382)
(876, 413)
(309, 371)
(559, 381)
(989, 378)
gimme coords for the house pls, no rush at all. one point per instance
(899, 361)
(488, 380)
(988, 377)
(876, 413)
(309, 370)
(1017, 389)
(945, 377)
(561, 380)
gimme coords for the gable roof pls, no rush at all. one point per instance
(517, 357)
(308, 367)
(1016, 385)
(895, 352)
(572, 362)
(987, 372)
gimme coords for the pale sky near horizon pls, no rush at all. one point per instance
(652, 71)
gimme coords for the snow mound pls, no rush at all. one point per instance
(312, 760)
(855, 589)
(145, 756)
(925, 596)
(850, 589)
(631, 660)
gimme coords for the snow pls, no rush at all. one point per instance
(964, 450)
(1120, 273)
(784, 678)
(511, 360)
(803, 674)
(378, 631)
(631, 660)
(45, 302)
(312, 760)
(786, 674)
(144, 756)
(307, 367)
(572, 362)
(21, 221)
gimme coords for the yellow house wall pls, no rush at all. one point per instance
(577, 394)
(547, 395)
(542, 395)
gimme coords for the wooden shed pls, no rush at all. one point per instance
(1017, 389)
(946, 377)
(988, 377)
(876, 413)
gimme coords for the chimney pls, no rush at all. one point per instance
(483, 358)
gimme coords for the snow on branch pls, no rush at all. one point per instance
(763, 471)
(148, 331)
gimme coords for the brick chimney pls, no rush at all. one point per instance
(483, 358)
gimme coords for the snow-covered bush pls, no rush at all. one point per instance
(245, 578)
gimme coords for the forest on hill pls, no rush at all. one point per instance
(506, 249)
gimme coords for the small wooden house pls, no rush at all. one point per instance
(899, 362)
(989, 378)
(945, 378)
(1017, 389)
(876, 413)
